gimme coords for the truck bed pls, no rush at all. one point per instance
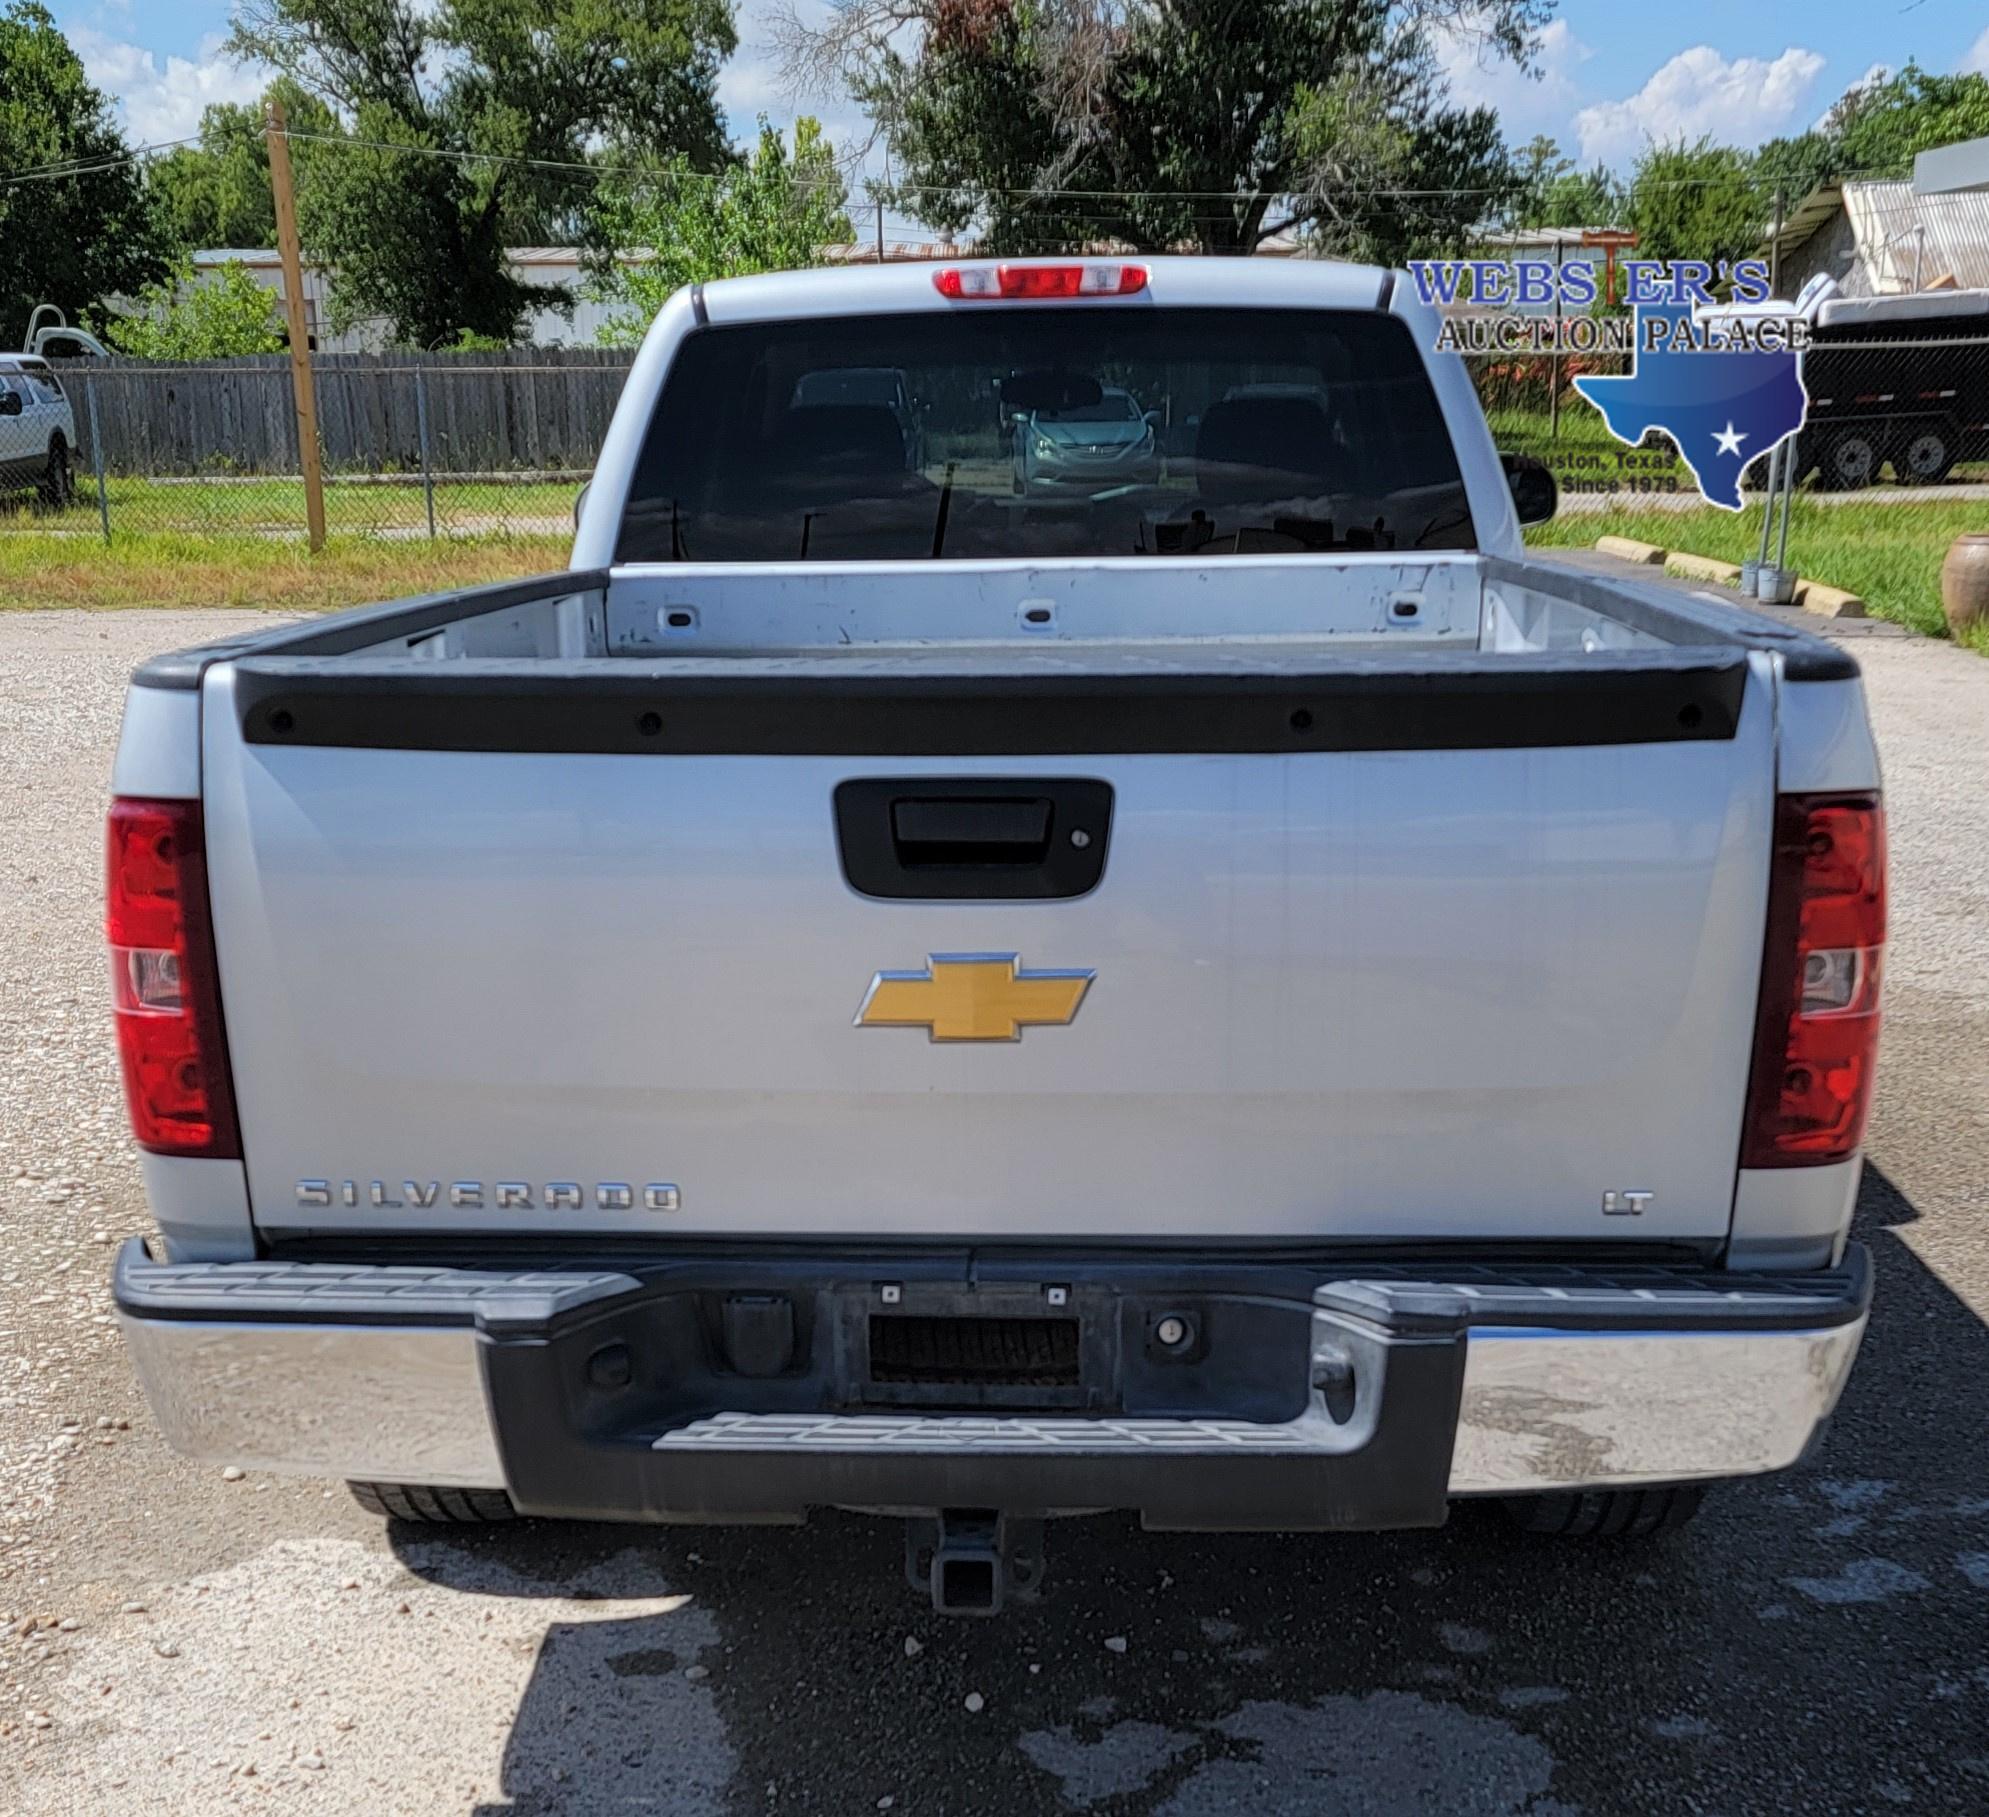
(1476, 997)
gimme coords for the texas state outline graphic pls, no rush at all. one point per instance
(1723, 408)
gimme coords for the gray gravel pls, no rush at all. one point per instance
(1817, 1642)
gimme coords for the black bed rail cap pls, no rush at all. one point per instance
(335, 633)
(1683, 618)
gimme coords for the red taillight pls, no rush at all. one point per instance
(163, 983)
(1817, 1036)
(979, 283)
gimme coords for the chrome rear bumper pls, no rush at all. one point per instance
(479, 1379)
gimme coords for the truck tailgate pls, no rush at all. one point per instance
(1434, 994)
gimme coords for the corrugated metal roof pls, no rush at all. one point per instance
(1815, 211)
(1525, 238)
(1906, 242)
(236, 255)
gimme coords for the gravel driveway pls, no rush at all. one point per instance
(177, 1642)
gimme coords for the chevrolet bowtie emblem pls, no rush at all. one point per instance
(972, 997)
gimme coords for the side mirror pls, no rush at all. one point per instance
(1535, 494)
(1155, 419)
(10, 403)
(580, 502)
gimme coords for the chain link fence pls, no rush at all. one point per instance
(412, 446)
(1897, 420)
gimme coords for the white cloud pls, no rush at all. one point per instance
(1540, 101)
(750, 85)
(1740, 101)
(1975, 62)
(159, 102)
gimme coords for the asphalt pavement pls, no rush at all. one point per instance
(176, 1641)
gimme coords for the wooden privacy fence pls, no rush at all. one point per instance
(522, 411)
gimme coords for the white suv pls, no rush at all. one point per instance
(37, 430)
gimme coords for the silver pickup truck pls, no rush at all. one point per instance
(1228, 991)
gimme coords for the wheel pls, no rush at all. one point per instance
(1850, 462)
(1607, 1513)
(1924, 456)
(58, 484)
(435, 1507)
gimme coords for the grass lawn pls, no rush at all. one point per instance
(1888, 554)
(275, 507)
(177, 568)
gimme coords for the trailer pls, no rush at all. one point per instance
(1902, 380)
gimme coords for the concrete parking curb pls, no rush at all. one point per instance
(1831, 602)
(1628, 549)
(1701, 567)
(1811, 595)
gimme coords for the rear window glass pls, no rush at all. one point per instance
(850, 385)
(1046, 432)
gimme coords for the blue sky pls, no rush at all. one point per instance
(1614, 74)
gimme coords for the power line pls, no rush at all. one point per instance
(1233, 197)
(65, 168)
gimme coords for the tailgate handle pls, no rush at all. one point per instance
(967, 838)
(953, 829)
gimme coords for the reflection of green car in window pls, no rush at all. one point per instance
(1085, 447)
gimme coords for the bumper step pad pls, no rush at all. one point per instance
(1365, 1396)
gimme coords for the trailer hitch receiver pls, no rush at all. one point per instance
(972, 1560)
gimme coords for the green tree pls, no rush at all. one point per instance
(1883, 124)
(1387, 173)
(774, 211)
(186, 317)
(1166, 123)
(1794, 167)
(70, 239)
(1584, 198)
(1696, 201)
(469, 124)
(1536, 167)
(216, 193)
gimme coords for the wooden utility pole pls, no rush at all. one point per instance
(1554, 365)
(300, 330)
(1612, 240)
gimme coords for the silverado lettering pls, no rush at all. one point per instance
(472, 1195)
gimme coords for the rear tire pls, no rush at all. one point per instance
(434, 1507)
(1850, 462)
(1926, 456)
(58, 482)
(1606, 1513)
